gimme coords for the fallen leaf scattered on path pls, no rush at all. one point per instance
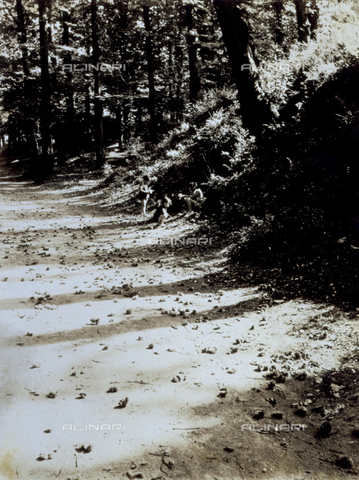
(210, 350)
(112, 390)
(122, 403)
(84, 449)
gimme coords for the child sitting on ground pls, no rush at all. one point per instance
(195, 200)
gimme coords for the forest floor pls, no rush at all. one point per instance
(125, 359)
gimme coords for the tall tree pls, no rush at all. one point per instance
(278, 8)
(303, 24)
(69, 90)
(150, 73)
(179, 79)
(98, 124)
(46, 164)
(313, 17)
(22, 35)
(236, 35)
(28, 122)
(194, 82)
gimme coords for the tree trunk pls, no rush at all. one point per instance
(10, 129)
(126, 129)
(255, 112)
(302, 20)
(87, 119)
(170, 85)
(29, 123)
(313, 17)
(46, 162)
(139, 116)
(179, 76)
(69, 140)
(98, 126)
(22, 36)
(151, 82)
(60, 136)
(30, 130)
(194, 82)
(119, 125)
(279, 34)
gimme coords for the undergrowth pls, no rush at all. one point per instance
(292, 197)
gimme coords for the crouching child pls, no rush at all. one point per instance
(161, 214)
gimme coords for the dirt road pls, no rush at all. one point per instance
(124, 358)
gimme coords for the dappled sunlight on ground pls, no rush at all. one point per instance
(89, 304)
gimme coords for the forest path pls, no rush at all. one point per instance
(92, 313)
